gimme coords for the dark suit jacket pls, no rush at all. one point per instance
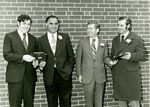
(13, 51)
(125, 74)
(63, 58)
(89, 67)
(135, 47)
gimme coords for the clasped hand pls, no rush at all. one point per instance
(113, 62)
(127, 56)
(28, 58)
(41, 65)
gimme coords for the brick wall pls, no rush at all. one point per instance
(74, 15)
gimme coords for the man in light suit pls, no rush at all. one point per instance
(20, 74)
(57, 72)
(90, 65)
(125, 73)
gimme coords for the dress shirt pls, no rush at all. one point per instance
(22, 36)
(96, 42)
(49, 35)
(125, 35)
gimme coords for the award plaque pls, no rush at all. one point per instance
(40, 56)
(118, 57)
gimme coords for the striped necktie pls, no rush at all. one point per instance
(24, 41)
(93, 47)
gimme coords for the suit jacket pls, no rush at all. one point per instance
(89, 67)
(13, 51)
(63, 58)
(133, 44)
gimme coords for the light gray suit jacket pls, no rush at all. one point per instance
(89, 67)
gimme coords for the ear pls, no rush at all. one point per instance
(128, 26)
(18, 23)
(45, 24)
(97, 30)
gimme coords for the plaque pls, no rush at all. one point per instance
(40, 56)
(119, 56)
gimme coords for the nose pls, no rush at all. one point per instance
(26, 25)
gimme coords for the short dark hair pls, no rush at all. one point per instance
(128, 21)
(24, 17)
(52, 16)
(97, 25)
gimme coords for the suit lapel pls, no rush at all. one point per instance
(58, 46)
(47, 44)
(100, 42)
(124, 44)
(87, 44)
(19, 39)
(29, 42)
(98, 48)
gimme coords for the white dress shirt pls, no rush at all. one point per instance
(22, 36)
(49, 35)
(96, 42)
(125, 35)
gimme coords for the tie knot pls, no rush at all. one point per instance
(93, 40)
(24, 34)
(122, 38)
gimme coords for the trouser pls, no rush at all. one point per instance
(93, 94)
(21, 91)
(60, 89)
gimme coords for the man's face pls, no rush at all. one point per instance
(122, 27)
(24, 27)
(52, 25)
(91, 30)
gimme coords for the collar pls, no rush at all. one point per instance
(125, 35)
(96, 38)
(96, 41)
(21, 33)
(50, 34)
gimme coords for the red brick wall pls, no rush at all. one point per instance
(74, 14)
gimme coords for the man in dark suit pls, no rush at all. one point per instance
(57, 73)
(20, 74)
(125, 73)
(92, 54)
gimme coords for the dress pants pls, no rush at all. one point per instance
(19, 91)
(93, 94)
(59, 90)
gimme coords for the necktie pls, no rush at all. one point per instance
(93, 47)
(122, 38)
(53, 44)
(24, 41)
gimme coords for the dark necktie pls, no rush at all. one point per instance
(122, 38)
(93, 47)
(24, 41)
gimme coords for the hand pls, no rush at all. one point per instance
(112, 63)
(127, 56)
(42, 65)
(35, 63)
(80, 78)
(28, 58)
